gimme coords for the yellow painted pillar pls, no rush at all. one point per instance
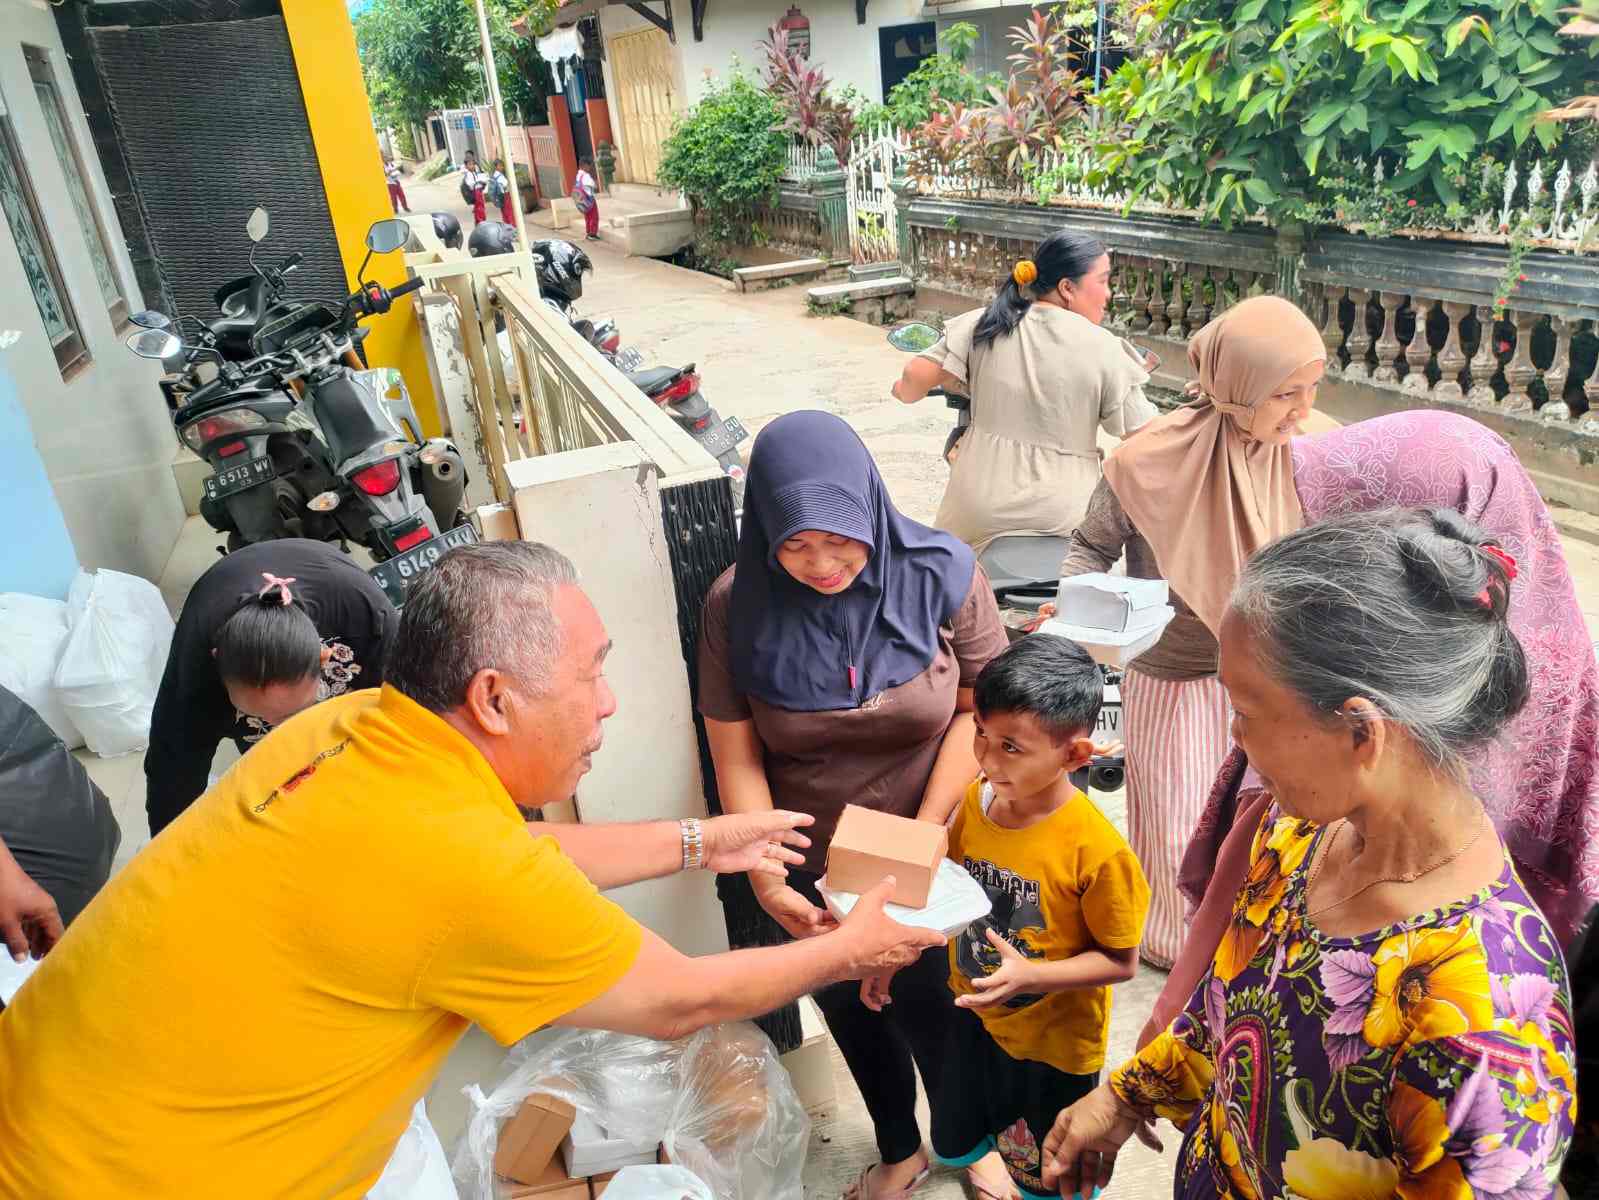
(352, 175)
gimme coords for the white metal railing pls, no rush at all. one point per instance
(555, 392)
(801, 162)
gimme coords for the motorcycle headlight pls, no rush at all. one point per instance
(219, 425)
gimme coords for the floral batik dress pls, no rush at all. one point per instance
(1431, 1059)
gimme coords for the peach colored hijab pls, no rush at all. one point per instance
(1200, 490)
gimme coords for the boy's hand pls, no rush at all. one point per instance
(1015, 975)
(874, 992)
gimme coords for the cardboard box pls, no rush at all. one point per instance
(554, 1185)
(1111, 602)
(588, 1149)
(498, 523)
(869, 845)
(598, 1184)
(529, 1139)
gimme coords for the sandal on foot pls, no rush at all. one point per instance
(983, 1190)
(861, 1188)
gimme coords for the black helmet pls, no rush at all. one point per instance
(447, 229)
(491, 237)
(560, 269)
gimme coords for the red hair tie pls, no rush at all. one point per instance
(1506, 562)
(272, 581)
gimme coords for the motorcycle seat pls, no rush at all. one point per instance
(653, 379)
(1024, 569)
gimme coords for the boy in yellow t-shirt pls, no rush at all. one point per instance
(1032, 979)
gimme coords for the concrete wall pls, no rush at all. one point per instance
(103, 435)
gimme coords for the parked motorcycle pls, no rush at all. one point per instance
(302, 439)
(560, 267)
(1024, 572)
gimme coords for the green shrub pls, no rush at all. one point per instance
(726, 155)
(1257, 97)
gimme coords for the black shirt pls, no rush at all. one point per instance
(192, 711)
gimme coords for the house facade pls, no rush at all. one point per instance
(86, 446)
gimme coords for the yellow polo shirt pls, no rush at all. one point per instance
(252, 1007)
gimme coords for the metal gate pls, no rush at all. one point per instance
(646, 100)
(873, 226)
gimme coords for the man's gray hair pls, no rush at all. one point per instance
(484, 605)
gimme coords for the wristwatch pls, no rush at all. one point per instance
(693, 844)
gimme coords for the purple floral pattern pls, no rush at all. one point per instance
(1428, 1060)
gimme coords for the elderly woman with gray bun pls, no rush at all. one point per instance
(1388, 1012)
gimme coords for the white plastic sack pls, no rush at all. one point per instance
(417, 1169)
(657, 1183)
(113, 660)
(719, 1101)
(33, 632)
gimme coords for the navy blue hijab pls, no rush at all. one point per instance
(797, 649)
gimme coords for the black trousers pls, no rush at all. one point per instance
(881, 1047)
(991, 1101)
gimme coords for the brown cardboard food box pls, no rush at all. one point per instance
(552, 1185)
(869, 845)
(528, 1141)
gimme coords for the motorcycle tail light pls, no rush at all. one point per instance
(415, 538)
(681, 390)
(220, 425)
(379, 479)
(702, 423)
(230, 449)
(612, 344)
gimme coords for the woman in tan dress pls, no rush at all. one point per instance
(1043, 378)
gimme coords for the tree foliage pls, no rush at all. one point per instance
(419, 56)
(1257, 96)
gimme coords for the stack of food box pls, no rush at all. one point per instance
(1113, 617)
(551, 1151)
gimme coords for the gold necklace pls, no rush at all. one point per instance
(1407, 877)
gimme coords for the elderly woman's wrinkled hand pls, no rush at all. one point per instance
(1080, 1151)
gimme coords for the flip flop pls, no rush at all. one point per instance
(983, 1190)
(860, 1189)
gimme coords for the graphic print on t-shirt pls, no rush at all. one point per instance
(1016, 916)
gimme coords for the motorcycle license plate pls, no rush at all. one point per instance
(230, 481)
(719, 439)
(398, 573)
(1109, 724)
(629, 359)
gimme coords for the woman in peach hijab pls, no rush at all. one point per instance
(1188, 499)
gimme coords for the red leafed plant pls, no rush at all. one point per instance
(1040, 108)
(805, 94)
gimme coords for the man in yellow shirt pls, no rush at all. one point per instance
(253, 1006)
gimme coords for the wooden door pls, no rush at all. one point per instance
(645, 100)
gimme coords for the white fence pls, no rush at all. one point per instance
(1559, 205)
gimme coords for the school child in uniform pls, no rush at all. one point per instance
(1032, 979)
(500, 192)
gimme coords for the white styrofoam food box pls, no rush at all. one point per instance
(1109, 648)
(1113, 602)
(589, 1150)
(956, 900)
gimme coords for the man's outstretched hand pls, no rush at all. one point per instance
(763, 843)
(29, 919)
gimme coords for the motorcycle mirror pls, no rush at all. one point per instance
(258, 224)
(154, 343)
(913, 337)
(385, 237)
(150, 319)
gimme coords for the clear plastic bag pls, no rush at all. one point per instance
(657, 1183)
(718, 1100)
(115, 654)
(417, 1170)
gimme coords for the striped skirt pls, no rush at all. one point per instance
(1177, 735)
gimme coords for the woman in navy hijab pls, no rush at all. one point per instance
(837, 659)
